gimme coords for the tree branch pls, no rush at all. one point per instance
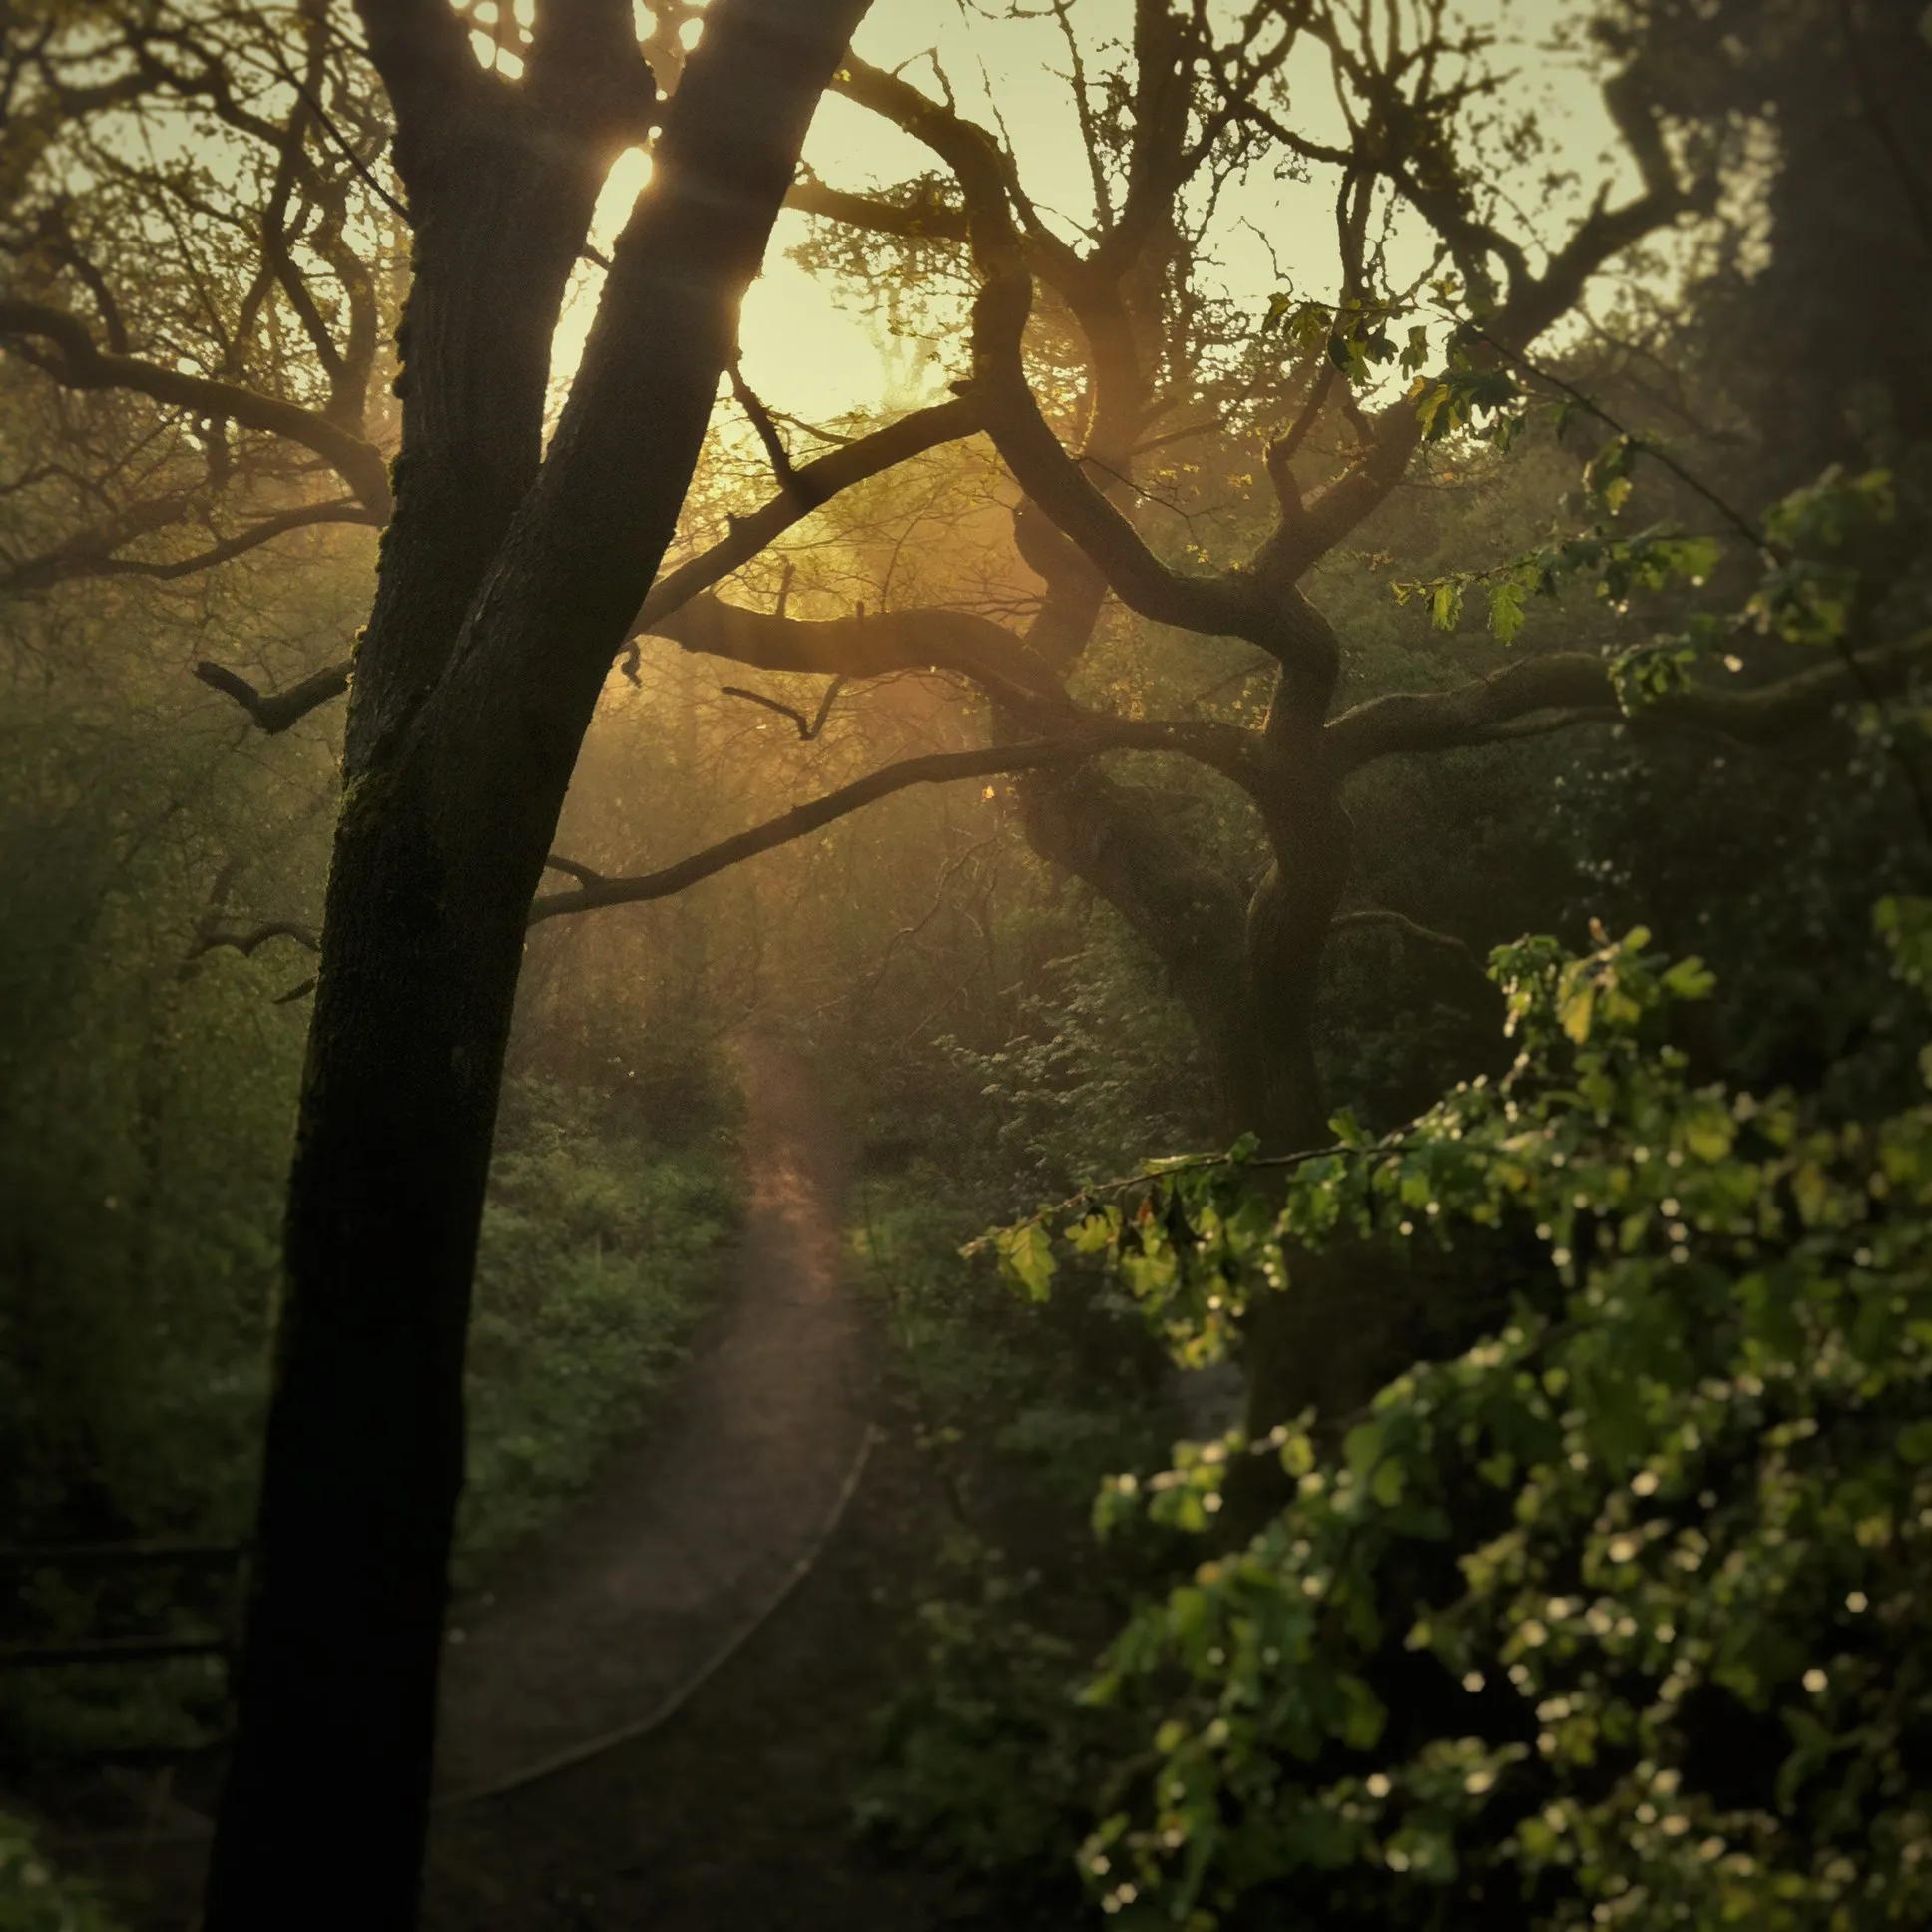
(82, 365)
(766, 429)
(944, 767)
(870, 645)
(274, 713)
(93, 553)
(1569, 687)
(808, 727)
(1368, 918)
(812, 485)
(918, 218)
(250, 941)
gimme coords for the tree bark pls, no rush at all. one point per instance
(501, 601)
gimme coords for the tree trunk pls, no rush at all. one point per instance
(325, 1816)
(461, 749)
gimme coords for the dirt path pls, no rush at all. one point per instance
(734, 1816)
(689, 1532)
(734, 1813)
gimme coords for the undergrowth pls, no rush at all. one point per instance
(599, 1255)
(600, 1251)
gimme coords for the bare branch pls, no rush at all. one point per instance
(1469, 986)
(274, 712)
(766, 430)
(82, 365)
(808, 727)
(247, 941)
(1385, 918)
(94, 553)
(1570, 687)
(870, 646)
(942, 767)
(813, 484)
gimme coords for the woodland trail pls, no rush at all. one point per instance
(688, 1533)
(733, 1812)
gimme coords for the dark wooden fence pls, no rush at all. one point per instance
(210, 1636)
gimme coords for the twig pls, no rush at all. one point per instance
(782, 467)
(808, 727)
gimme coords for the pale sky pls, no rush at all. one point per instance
(813, 350)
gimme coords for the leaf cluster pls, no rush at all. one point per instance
(1612, 1619)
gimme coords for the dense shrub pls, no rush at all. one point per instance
(1614, 1618)
(33, 1897)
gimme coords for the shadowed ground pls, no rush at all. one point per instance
(686, 1534)
(735, 1812)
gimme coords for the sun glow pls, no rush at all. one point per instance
(821, 347)
(815, 359)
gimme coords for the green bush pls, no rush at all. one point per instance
(1617, 1618)
(599, 1255)
(982, 1760)
(981, 1756)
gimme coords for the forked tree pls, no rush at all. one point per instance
(509, 574)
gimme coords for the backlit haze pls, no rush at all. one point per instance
(819, 351)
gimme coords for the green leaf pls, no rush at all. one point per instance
(1607, 475)
(1027, 1260)
(1363, 1447)
(1389, 1481)
(1362, 1726)
(1689, 979)
(1506, 609)
(1576, 1009)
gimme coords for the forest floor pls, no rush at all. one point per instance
(741, 1545)
(733, 1810)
